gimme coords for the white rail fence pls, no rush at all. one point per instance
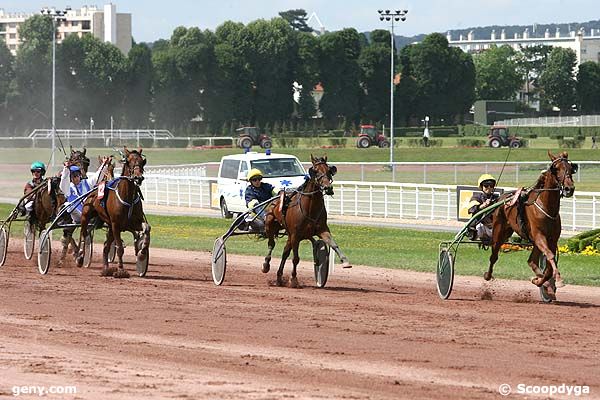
(581, 120)
(513, 173)
(367, 199)
(103, 133)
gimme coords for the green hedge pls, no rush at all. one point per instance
(579, 242)
(419, 142)
(471, 142)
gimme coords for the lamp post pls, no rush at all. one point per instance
(57, 16)
(387, 15)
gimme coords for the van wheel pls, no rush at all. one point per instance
(224, 210)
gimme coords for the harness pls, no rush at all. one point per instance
(114, 186)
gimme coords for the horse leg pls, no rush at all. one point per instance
(295, 261)
(326, 236)
(499, 237)
(82, 237)
(121, 272)
(533, 261)
(65, 240)
(143, 242)
(106, 271)
(542, 245)
(267, 264)
(286, 253)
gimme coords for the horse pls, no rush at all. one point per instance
(121, 212)
(48, 201)
(538, 220)
(304, 218)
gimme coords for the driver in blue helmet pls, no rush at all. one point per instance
(74, 185)
(38, 170)
(257, 192)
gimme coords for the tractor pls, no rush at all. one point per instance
(250, 136)
(499, 136)
(370, 136)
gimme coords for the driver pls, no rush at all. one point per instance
(479, 201)
(257, 192)
(38, 170)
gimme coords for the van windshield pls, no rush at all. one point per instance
(277, 167)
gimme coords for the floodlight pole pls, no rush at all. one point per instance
(387, 15)
(56, 15)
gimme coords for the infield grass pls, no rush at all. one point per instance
(382, 247)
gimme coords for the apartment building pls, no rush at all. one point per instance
(104, 23)
(587, 47)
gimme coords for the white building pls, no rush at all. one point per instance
(104, 23)
(586, 47)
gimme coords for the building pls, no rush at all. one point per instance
(586, 47)
(104, 23)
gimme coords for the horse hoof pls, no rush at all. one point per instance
(536, 281)
(559, 283)
(487, 276)
(294, 282)
(107, 272)
(121, 273)
(79, 261)
(265, 268)
(280, 281)
(346, 265)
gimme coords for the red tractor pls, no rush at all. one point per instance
(499, 136)
(370, 136)
(250, 136)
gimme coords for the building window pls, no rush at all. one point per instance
(12, 36)
(2, 27)
(85, 24)
(74, 23)
(12, 47)
(12, 25)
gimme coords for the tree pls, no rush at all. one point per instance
(307, 72)
(558, 79)
(531, 61)
(297, 19)
(588, 87)
(497, 75)
(443, 78)
(7, 75)
(374, 64)
(340, 75)
(139, 86)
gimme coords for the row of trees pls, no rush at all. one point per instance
(245, 74)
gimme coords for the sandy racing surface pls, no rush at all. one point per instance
(371, 334)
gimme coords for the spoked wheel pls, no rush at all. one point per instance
(45, 252)
(3, 245)
(445, 273)
(546, 298)
(143, 256)
(321, 256)
(112, 252)
(29, 240)
(88, 249)
(219, 261)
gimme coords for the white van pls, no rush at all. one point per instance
(280, 170)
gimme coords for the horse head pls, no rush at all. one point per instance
(109, 173)
(78, 157)
(562, 170)
(134, 162)
(322, 173)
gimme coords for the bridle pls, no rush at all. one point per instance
(330, 172)
(560, 182)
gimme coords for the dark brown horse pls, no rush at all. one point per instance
(305, 218)
(49, 200)
(122, 211)
(539, 220)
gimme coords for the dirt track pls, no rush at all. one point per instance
(371, 334)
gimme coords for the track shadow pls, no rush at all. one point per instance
(360, 290)
(575, 304)
(175, 278)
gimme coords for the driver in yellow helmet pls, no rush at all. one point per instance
(257, 192)
(481, 200)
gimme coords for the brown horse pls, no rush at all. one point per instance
(48, 201)
(305, 218)
(539, 220)
(121, 211)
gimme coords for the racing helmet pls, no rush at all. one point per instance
(253, 173)
(75, 170)
(38, 166)
(486, 178)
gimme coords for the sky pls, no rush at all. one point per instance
(153, 20)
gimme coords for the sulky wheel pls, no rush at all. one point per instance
(321, 256)
(88, 249)
(219, 261)
(543, 264)
(112, 252)
(445, 273)
(141, 263)
(45, 252)
(29, 240)
(3, 245)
